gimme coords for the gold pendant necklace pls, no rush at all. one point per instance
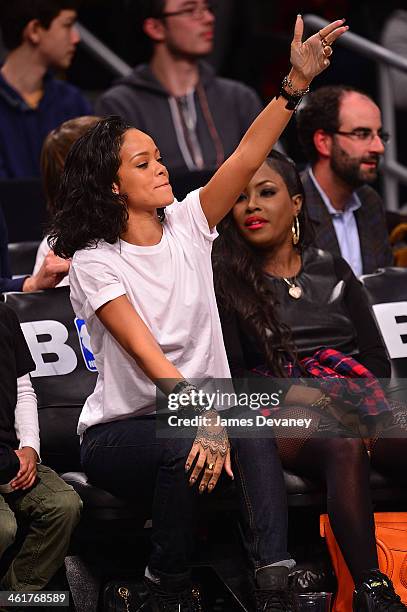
(294, 290)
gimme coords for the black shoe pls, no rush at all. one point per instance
(376, 594)
(187, 600)
(272, 592)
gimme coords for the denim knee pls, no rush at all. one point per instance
(8, 530)
(255, 446)
(177, 451)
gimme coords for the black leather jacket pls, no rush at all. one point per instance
(332, 312)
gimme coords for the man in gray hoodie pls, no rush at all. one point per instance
(196, 118)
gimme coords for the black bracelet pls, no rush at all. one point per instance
(198, 401)
(292, 101)
(293, 98)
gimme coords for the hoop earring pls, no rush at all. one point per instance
(295, 229)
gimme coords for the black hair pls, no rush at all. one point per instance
(16, 14)
(320, 111)
(138, 12)
(240, 283)
(151, 8)
(88, 209)
(286, 168)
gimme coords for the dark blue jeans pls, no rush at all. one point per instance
(263, 500)
(126, 458)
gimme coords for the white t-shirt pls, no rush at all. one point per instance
(170, 285)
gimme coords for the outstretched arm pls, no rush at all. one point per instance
(308, 59)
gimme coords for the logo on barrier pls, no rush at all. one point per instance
(47, 342)
(84, 341)
(392, 320)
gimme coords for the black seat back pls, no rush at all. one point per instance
(22, 257)
(23, 204)
(387, 293)
(63, 377)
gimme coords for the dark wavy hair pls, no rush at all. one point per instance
(320, 111)
(88, 210)
(151, 8)
(240, 282)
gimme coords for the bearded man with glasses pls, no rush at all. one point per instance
(196, 118)
(341, 132)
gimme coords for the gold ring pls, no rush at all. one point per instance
(210, 467)
(327, 51)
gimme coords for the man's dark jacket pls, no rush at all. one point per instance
(370, 219)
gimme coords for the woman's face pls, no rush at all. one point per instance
(265, 211)
(142, 174)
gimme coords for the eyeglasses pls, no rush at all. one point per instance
(195, 11)
(365, 134)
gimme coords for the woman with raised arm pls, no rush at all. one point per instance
(288, 309)
(144, 286)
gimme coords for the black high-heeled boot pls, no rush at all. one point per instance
(376, 594)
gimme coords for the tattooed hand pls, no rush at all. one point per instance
(211, 450)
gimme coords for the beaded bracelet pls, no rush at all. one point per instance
(294, 98)
(296, 93)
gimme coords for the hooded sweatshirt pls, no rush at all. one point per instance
(197, 131)
(23, 129)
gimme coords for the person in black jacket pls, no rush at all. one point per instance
(30, 493)
(281, 300)
(341, 132)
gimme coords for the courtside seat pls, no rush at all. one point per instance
(22, 257)
(65, 375)
(62, 380)
(24, 208)
(113, 530)
(387, 293)
(99, 504)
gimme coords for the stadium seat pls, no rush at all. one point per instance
(65, 375)
(23, 204)
(22, 257)
(387, 293)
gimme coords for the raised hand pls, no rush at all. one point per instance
(310, 57)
